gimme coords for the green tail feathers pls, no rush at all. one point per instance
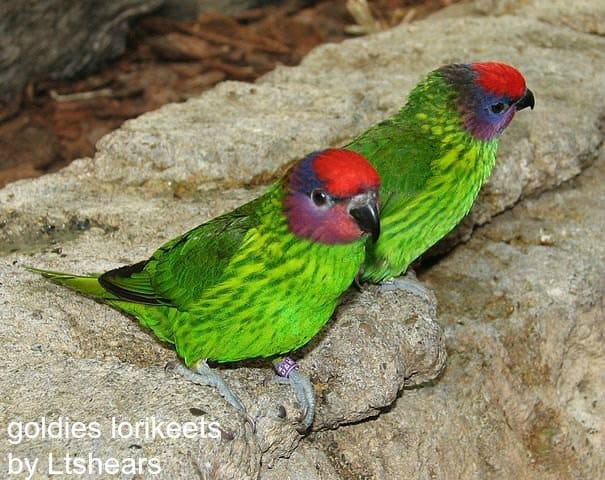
(86, 284)
(157, 318)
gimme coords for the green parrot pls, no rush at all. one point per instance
(259, 281)
(434, 155)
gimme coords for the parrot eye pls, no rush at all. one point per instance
(497, 107)
(319, 197)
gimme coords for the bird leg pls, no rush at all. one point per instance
(409, 283)
(202, 374)
(287, 371)
(357, 283)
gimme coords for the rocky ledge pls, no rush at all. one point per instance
(520, 305)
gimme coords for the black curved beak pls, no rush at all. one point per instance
(525, 101)
(366, 213)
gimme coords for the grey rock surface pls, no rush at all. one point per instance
(523, 394)
(60, 38)
(522, 320)
(80, 359)
(305, 108)
(586, 15)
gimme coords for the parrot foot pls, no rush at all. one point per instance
(204, 375)
(288, 373)
(408, 283)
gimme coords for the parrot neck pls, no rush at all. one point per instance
(461, 162)
(433, 112)
(444, 167)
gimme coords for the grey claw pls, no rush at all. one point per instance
(250, 421)
(288, 372)
(305, 396)
(408, 283)
(204, 375)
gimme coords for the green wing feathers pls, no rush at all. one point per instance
(160, 290)
(404, 166)
(239, 286)
(183, 269)
(179, 271)
(132, 283)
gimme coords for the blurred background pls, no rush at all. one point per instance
(73, 70)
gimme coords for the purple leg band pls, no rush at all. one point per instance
(285, 367)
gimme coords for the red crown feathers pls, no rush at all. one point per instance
(500, 79)
(345, 173)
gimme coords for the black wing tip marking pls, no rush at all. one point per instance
(106, 282)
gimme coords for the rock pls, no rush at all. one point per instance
(125, 366)
(585, 16)
(307, 462)
(523, 394)
(517, 332)
(560, 66)
(61, 38)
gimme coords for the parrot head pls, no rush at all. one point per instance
(332, 197)
(489, 95)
